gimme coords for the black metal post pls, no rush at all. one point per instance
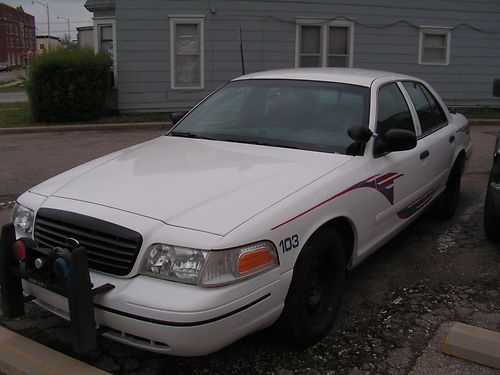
(81, 306)
(12, 289)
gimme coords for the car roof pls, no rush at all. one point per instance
(360, 77)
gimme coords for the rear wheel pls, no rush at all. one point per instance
(316, 289)
(447, 203)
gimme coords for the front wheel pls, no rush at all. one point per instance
(447, 203)
(316, 289)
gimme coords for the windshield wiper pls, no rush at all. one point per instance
(189, 135)
(261, 143)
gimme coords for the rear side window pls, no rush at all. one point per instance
(393, 111)
(429, 111)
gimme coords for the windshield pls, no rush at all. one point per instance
(307, 115)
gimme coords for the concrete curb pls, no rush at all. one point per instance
(473, 344)
(19, 355)
(142, 126)
(484, 121)
(87, 127)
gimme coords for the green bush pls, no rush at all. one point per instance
(69, 85)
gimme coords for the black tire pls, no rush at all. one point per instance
(447, 203)
(491, 219)
(315, 291)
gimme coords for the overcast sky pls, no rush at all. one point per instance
(72, 9)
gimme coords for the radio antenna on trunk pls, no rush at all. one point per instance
(241, 51)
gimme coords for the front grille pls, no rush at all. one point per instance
(110, 248)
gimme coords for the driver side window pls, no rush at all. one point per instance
(393, 111)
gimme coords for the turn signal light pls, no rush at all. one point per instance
(254, 260)
(19, 251)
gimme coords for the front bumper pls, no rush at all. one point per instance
(188, 332)
(145, 312)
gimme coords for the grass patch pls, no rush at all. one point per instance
(15, 115)
(19, 87)
(16, 88)
(134, 118)
(482, 113)
(5, 82)
(13, 105)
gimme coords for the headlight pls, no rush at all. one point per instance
(23, 219)
(209, 268)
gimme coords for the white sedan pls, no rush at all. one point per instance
(247, 212)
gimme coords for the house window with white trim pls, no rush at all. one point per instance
(106, 44)
(434, 46)
(338, 46)
(105, 40)
(324, 44)
(187, 52)
(310, 46)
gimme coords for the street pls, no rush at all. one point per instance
(395, 308)
(10, 76)
(12, 97)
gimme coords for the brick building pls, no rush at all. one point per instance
(17, 36)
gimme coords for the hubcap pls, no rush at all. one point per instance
(320, 285)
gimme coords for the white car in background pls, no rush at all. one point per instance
(248, 211)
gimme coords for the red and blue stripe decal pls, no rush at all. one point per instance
(465, 129)
(384, 184)
(416, 206)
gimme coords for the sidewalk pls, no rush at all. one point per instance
(21, 356)
(13, 97)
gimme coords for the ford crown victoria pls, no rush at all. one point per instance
(248, 212)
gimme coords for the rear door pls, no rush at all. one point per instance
(435, 135)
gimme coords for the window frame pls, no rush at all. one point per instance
(416, 119)
(430, 30)
(324, 38)
(187, 19)
(407, 100)
(374, 116)
(98, 24)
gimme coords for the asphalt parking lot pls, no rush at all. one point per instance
(396, 307)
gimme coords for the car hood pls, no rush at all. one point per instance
(205, 185)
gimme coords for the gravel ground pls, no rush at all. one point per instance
(395, 304)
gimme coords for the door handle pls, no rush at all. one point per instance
(424, 155)
(452, 139)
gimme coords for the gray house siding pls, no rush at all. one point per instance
(386, 37)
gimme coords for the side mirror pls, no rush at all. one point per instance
(177, 116)
(496, 88)
(395, 140)
(360, 134)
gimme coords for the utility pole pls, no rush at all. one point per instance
(69, 27)
(46, 5)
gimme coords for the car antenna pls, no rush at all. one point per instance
(241, 51)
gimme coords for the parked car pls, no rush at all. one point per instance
(249, 211)
(492, 202)
(4, 67)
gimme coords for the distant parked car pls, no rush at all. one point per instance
(492, 202)
(4, 67)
